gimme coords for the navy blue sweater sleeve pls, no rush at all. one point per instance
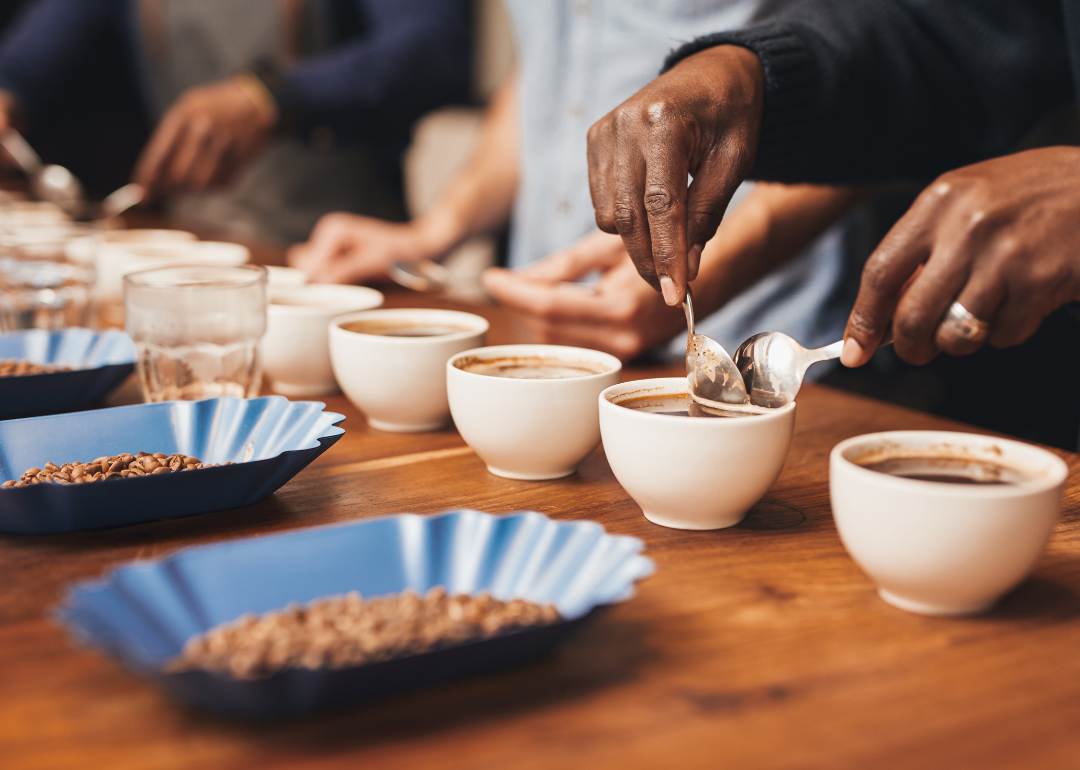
(47, 41)
(880, 90)
(413, 56)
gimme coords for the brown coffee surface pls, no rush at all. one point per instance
(674, 406)
(380, 328)
(947, 470)
(531, 368)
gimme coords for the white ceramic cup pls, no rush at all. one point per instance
(691, 472)
(115, 260)
(296, 347)
(278, 277)
(938, 548)
(530, 429)
(399, 383)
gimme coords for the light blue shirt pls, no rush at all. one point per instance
(578, 60)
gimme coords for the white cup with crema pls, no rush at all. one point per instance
(529, 411)
(391, 363)
(944, 523)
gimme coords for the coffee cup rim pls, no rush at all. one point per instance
(364, 298)
(676, 386)
(536, 350)
(1053, 473)
(478, 325)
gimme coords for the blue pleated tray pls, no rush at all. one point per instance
(143, 612)
(270, 439)
(99, 361)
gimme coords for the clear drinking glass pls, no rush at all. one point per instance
(44, 282)
(197, 330)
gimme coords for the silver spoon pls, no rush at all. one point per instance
(713, 378)
(424, 275)
(773, 365)
(48, 182)
(121, 199)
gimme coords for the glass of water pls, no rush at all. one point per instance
(45, 283)
(197, 330)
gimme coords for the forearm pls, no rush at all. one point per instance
(413, 56)
(771, 226)
(479, 199)
(900, 89)
(46, 42)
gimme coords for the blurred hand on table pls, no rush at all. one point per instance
(999, 237)
(623, 315)
(349, 248)
(207, 136)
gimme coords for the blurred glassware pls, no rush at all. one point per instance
(43, 284)
(197, 329)
(23, 213)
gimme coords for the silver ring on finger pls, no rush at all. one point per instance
(965, 324)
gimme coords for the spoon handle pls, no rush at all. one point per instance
(834, 350)
(688, 309)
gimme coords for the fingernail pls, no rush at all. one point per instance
(693, 260)
(667, 288)
(853, 353)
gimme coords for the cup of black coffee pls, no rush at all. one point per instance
(945, 523)
(391, 363)
(529, 411)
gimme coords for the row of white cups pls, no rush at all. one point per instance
(931, 547)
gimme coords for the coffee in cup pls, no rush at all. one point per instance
(531, 367)
(529, 411)
(392, 328)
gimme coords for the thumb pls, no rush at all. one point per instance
(598, 251)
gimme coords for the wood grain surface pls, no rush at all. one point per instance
(758, 646)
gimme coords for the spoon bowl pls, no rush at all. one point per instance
(712, 376)
(772, 366)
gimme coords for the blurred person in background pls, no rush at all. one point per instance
(774, 264)
(266, 115)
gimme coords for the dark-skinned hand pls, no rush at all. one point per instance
(999, 237)
(207, 136)
(702, 118)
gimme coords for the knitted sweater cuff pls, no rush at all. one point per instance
(792, 91)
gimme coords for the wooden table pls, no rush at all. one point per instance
(758, 646)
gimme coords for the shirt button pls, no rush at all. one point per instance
(575, 110)
(562, 207)
(582, 9)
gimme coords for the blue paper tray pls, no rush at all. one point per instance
(143, 612)
(275, 436)
(100, 361)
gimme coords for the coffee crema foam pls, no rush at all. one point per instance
(944, 469)
(531, 368)
(675, 405)
(403, 328)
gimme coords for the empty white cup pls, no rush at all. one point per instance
(530, 429)
(296, 347)
(115, 260)
(937, 548)
(691, 472)
(399, 383)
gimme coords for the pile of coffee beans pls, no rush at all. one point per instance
(106, 467)
(16, 367)
(341, 631)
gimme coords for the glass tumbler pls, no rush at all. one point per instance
(45, 283)
(197, 330)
